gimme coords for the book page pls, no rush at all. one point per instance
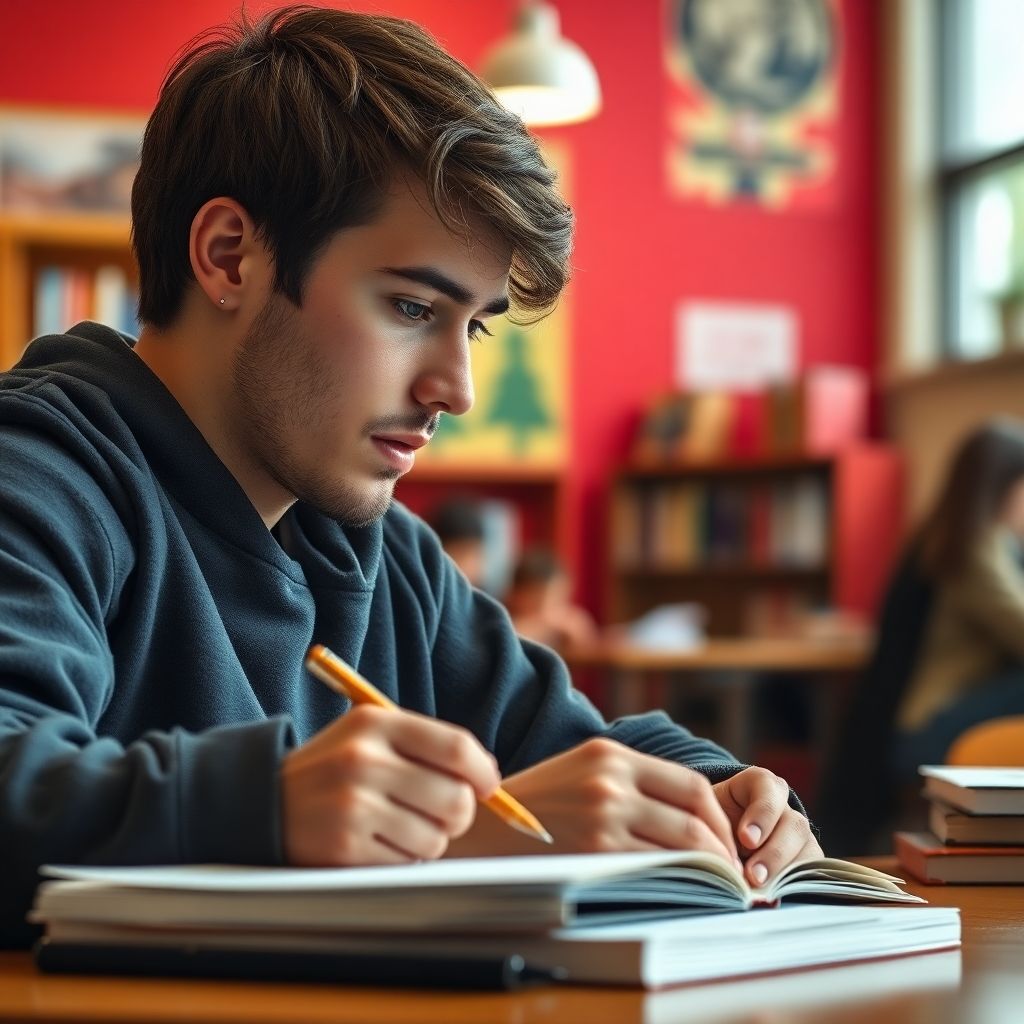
(829, 876)
(554, 869)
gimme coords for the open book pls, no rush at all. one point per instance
(492, 894)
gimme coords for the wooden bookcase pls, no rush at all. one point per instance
(754, 540)
(30, 241)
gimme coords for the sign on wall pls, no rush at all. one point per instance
(752, 104)
(734, 346)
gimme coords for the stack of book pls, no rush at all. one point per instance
(976, 817)
(647, 919)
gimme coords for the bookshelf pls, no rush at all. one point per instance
(755, 541)
(68, 255)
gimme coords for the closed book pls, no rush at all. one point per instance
(931, 861)
(976, 790)
(822, 414)
(834, 409)
(650, 954)
(953, 826)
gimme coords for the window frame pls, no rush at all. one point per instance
(954, 175)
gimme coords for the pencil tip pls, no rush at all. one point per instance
(546, 837)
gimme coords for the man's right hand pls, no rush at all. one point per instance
(382, 787)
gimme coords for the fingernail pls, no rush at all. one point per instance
(760, 873)
(754, 833)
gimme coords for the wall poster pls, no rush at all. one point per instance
(752, 100)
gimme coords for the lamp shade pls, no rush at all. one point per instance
(539, 75)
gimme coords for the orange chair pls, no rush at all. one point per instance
(998, 742)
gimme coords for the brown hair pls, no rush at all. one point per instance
(987, 464)
(536, 565)
(303, 118)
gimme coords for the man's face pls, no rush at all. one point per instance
(334, 398)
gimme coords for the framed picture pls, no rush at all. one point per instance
(54, 160)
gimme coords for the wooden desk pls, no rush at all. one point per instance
(731, 667)
(733, 653)
(983, 984)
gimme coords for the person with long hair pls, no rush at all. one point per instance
(970, 664)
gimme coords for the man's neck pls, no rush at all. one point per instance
(196, 369)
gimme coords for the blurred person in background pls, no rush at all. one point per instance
(949, 648)
(540, 603)
(459, 525)
(970, 666)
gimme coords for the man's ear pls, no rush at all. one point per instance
(229, 264)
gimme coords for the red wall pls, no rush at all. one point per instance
(639, 251)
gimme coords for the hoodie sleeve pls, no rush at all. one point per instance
(517, 696)
(67, 793)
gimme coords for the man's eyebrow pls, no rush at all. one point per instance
(433, 278)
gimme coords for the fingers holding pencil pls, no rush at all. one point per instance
(341, 677)
(353, 794)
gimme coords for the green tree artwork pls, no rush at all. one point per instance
(517, 401)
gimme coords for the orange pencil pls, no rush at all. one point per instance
(339, 676)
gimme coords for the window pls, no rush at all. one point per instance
(981, 180)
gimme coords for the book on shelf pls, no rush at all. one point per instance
(625, 540)
(649, 918)
(822, 413)
(930, 860)
(976, 790)
(953, 826)
(66, 295)
(685, 425)
(692, 523)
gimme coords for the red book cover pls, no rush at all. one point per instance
(934, 863)
(835, 408)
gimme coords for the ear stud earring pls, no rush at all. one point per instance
(222, 301)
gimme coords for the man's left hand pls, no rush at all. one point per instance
(769, 833)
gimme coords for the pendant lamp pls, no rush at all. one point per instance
(538, 74)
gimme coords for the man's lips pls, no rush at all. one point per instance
(399, 450)
(412, 441)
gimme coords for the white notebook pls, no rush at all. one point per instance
(651, 954)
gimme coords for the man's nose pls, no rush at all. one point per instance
(446, 383)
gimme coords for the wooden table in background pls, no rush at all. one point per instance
(981, 984)
(732, 668)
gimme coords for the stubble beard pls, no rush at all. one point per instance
(283, 389)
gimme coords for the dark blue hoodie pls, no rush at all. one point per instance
(152, 633)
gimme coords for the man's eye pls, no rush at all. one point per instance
(477, 331)
(413, 310)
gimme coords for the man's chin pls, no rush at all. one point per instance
(357, 510)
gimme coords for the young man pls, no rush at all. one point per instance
(328, 209)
